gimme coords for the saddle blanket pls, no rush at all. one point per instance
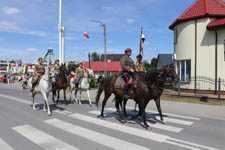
(119, 84)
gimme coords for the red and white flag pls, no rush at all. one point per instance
(142, 42)
(86, 35)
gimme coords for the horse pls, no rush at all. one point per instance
(83, 86)
(60, 83)
(149, 86)
(45, 85)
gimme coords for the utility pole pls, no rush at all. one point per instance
(104, 25)
(89, 55)
(61, 35)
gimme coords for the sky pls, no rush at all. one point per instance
(29, 27)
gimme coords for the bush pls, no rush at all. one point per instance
(92, 83)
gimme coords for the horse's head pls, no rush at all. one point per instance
(90, 73)
(168, 72)
(63, 69)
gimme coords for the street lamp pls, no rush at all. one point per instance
(104, 25)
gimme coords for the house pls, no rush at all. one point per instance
(164, 60)
(112, 57)
(98, 67)
(199, 44)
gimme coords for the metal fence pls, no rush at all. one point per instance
(203, 87)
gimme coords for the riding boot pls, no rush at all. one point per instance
(33, 86)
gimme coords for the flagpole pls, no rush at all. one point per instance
(83, 48)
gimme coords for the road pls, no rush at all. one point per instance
(76, 126)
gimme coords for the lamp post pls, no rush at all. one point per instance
(104, 25)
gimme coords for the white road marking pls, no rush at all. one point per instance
(122, 128)
(15, 99)
(192, 144)
(4, 145)
(169, 114)
(155, 125)
(64, 112)
(182, 145)
(42, 139)
(100, 138)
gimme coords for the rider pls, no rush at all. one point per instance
(56, 68)
(79, 73)
(128, 67)
(39, 71)
(140, 67)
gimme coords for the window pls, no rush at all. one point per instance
(175, 36)
(184, 70)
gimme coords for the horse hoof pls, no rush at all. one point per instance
(90, 105)
(49, 114)
(122, 121)
(101, 117)
(44, 110)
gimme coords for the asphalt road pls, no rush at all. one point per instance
(74, 126)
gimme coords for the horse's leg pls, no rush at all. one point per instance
(44, 107)
(107, 95)
(157, 102)
(58, 91)
(75, 95)
(45, 95)
(79, 100)
(90, 103)
(33, 105)
(124, 106)
(64, 92)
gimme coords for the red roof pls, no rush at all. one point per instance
(201, 9)
(217, 24)
(113, 66)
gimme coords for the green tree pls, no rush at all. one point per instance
(95, 56)
(72, 67)
(150, 66)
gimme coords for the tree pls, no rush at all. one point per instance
(72, 67)
(150, 66)
(95, 56)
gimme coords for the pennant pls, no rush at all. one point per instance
(86, 35)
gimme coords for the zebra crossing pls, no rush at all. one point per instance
(45, 140)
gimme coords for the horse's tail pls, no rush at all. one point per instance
(100, 89)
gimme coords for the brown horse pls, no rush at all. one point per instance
(149, 86)
(61, 83)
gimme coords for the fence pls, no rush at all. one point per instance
(203, 87)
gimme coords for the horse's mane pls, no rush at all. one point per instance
(151, 75)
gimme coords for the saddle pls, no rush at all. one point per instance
(120, 83)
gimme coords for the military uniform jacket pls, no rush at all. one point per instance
(56, 68)
(140, 67)
(126, 63)
(40, 69)
(80, 72)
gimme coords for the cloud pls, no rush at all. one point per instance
(13, 27)
(107, 9)
(36, 33)
(9, 26)
(130, 20)
(11, 11)
(32, 50)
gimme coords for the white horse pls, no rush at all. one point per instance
(83, 86)
(45, 88)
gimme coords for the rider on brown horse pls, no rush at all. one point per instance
(56, 68)
(39, 70)
(128, 67)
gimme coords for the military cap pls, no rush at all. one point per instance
(127, 50)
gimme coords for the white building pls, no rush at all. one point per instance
(199, 43)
